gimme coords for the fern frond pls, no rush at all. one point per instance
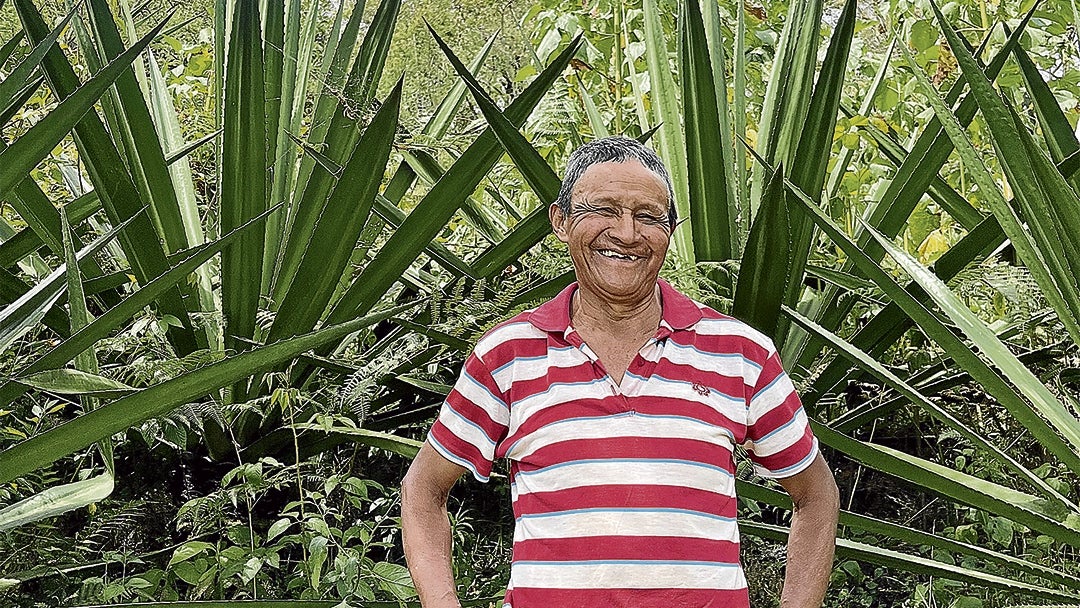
(114, 529)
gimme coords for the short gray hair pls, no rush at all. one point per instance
(616, 149)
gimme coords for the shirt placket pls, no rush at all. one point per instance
(597, 367)
(641, 367)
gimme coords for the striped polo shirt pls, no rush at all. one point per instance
(624, 494)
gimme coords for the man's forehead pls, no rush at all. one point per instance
(629, 165)
(613, 176)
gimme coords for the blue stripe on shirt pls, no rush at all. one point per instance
(536, 358)
(447, 454)
(797, 466)
(706, 353)
(465, 375)
(476, 426)
(778, 377)
(664, 380)
(510, 449)
(667, 511)
(627, 562)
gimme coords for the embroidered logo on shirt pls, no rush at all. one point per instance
(701, 389)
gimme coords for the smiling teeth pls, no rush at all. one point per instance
(607, 253)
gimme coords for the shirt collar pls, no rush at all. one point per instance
(677, 310)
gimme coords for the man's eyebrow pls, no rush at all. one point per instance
(604, 199)
(596, 199)
(585, 205)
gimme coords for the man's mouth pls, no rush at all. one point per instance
(615, 255)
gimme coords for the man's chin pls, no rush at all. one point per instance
(622, 291)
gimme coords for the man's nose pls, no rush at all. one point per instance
(625, 228)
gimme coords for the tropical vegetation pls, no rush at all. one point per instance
(246, 245)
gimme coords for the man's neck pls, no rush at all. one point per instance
(640, 317)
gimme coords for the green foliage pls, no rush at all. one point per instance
(255, 459)
(937, 216)
(466, 26)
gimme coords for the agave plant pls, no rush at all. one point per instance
(299, 203)
(980, 353)
(807, 307)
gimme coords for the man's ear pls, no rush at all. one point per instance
(558, 221)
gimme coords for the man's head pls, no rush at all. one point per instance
(615, 212)
(615, 149)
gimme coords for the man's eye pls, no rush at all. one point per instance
(650, 219)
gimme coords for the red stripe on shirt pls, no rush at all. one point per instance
(662, 548)
(460, 448)
(627, 598)
(627, 497)
(792, 455)
(776, 417)
(732, 386)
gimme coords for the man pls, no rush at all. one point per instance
(619, 404)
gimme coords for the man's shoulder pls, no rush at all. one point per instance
(506, 334)
(724, 332)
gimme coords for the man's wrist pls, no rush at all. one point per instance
(447, 600)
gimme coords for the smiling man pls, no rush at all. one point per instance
(619, 405)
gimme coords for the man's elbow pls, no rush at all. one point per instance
(820, 494)
(413, 489)
(420, 491)
(824, 502)
(831, 494)
(407, 484)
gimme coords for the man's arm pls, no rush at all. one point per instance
(813, 535)
(425, 527)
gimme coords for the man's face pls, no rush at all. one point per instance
(617, 230)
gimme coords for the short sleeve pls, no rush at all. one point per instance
(472, 421)
(778, 439)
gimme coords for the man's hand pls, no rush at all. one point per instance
(813, 535)
(425, 527)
